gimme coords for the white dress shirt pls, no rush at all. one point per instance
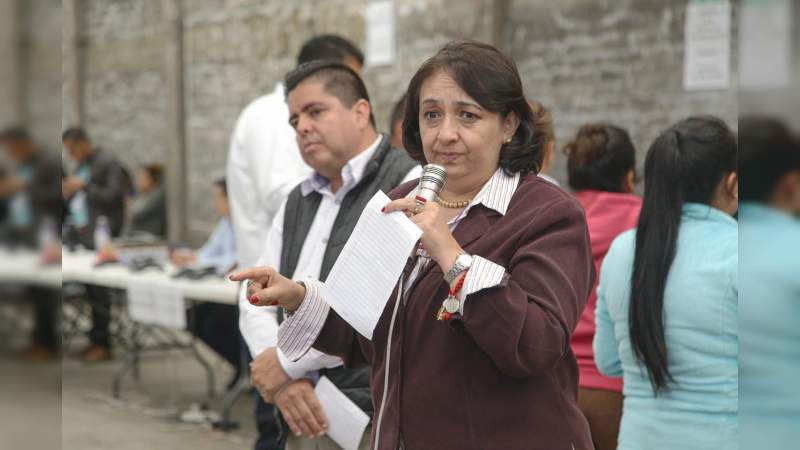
(259, 324)
(264, 164)
(299, 332)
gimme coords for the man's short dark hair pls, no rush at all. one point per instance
(14, 133)
(329, 47)
(74, 134)
(337, 79)
(768, 150)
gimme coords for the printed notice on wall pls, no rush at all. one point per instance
(707, 45)
(765, 50)
(379, 17)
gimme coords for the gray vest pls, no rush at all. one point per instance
(385, 171)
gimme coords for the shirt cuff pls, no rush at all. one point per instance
(482, 274)
(294, 369)
(310, 363)
(299, 331)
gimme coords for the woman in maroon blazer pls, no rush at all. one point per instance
(494, 370)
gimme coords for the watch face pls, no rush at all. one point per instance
(464, 261)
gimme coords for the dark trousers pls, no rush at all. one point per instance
(100, 303)
(269, 429)
(218, 326)
(46, 309)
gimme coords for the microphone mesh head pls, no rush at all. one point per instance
(435, 174)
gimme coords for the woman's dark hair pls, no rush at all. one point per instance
(543, 120)
(599, 158)
(768, 151)
(491, 79)
(155, 172)
(223, 185)
(684, 164)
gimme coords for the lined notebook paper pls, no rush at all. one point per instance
(360, 283)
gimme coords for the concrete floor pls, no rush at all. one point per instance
(147, 415)
(69, 405)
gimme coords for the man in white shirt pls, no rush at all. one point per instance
(335, 130)
(264, 164)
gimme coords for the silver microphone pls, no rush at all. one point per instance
(430, 184)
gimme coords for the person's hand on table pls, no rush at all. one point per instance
(267, 375)
(182, 257)
(267, 287)
(301, 408)
(437, 239)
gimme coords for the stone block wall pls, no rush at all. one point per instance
(618, 61)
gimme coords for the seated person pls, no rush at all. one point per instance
(148, 210)
(219, 251)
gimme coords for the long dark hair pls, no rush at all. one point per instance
(684, 164)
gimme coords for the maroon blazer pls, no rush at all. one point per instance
(504, 376)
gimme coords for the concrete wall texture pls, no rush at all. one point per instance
(586, 60)
(30, 72)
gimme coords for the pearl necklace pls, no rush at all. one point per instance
(458, 204)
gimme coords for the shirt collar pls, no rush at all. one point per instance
(497, 192)
(352, 173)
(753, 210)
(701, 211)
(279, 90)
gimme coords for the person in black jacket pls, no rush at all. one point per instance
(95, 192)
(34, 200)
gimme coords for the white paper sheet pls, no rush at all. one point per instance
(379, 18)
(156, 304)
(360, 283)
(707, 45)
(346, 421)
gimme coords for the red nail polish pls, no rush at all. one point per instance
(383, 209)
(254, 300)
(272, 303)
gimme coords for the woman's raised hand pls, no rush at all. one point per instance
(267, 287)
(436, 236)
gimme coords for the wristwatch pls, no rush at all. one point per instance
(462, 263)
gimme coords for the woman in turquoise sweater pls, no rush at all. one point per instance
(770, 284)
(667, 300)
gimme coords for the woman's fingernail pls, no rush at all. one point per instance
(254, 300)
(272, 303)
(383, 209)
